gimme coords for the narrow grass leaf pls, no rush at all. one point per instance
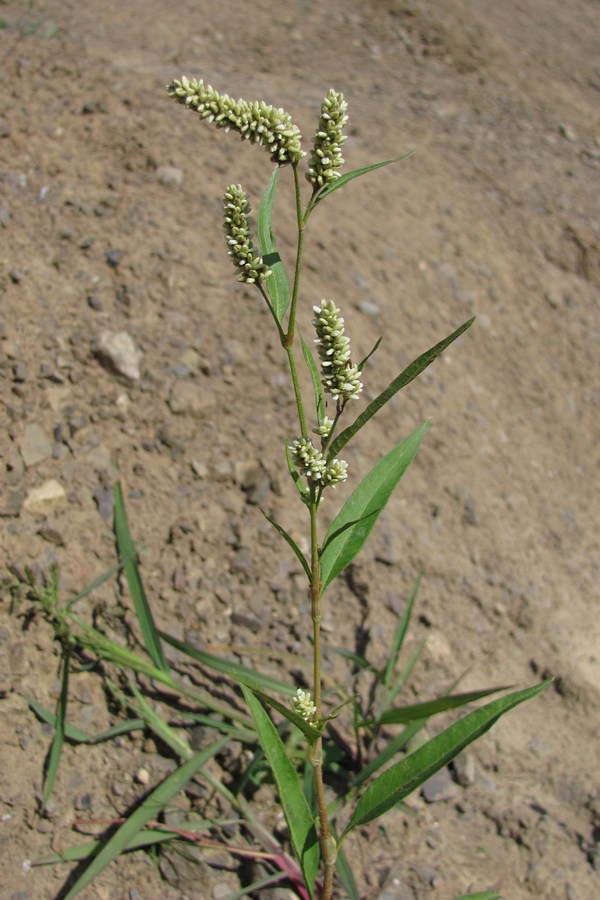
(349, 176)
(128, 554)
(400, 633)
(405, 776)
(225, 667)
(75, 735)
(404, 714)
(365, 504)
(345, 875)
(404, 378)
(315, 378)
(309, 731)
(402, 677)
(277, 283)
(148, 809)
(295, 807)
(59, 731)
(289, 540)
(481, 895)
(83, 851)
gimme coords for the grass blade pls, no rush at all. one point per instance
(277, 283)
(481, 895)
(367, 500)
(404, 378)
(405, 776)
(59, 731)
(295, 807)
(345, 874)
(404, 714)
(225, 667)
(400, 633)
(289, 540)
(75, 735)
(149, 809)
(128, 554)
(348, 176)
(84, 851)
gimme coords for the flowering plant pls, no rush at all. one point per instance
(374, 779)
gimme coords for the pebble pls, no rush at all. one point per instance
(192, 398)
(46, 495)
(11, 503)
(51, 531)
(35, 445)
(464, 769)
(117, 352)
(169, 175)
(439, 787)
(113, 257)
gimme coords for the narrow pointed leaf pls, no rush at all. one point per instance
(345, 875)
(226, 667)
(309, 731)
(277, 283)
(349, 176)
(128, 554)
(148, 809)
(331, 536)
(75, 735)
(295, 807)
(400, 633)
(289, 540)
(404, 714)
(481, 895)
(365, 360)
(83, 851)
(365, 504)
(315, 378)
(394, 746)
(405, 776)
(404, 378)
(59, 731)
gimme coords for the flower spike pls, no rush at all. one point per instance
(241, 249)
(256, 122)
(326, 157)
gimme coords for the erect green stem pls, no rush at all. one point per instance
(289, 338)
(328, 847)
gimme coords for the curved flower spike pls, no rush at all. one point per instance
(255, 122)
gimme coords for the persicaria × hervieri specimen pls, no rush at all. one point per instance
(237, 234)
(340, 378)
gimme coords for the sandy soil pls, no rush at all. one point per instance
(110, 221)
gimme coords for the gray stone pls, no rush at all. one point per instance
(169, 175)
(439, 787)
(117, 352)
(192, 398)
(35, 445)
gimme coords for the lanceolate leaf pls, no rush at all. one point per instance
(364, 506)
(277, 283)
(348, 176)
(401, 779)
(311, 733)
(295, 807)
(226, 667)
(289, 540)
(128, 554)
(405, 714)
(316, 381)
(404, 378)
(59, 731)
